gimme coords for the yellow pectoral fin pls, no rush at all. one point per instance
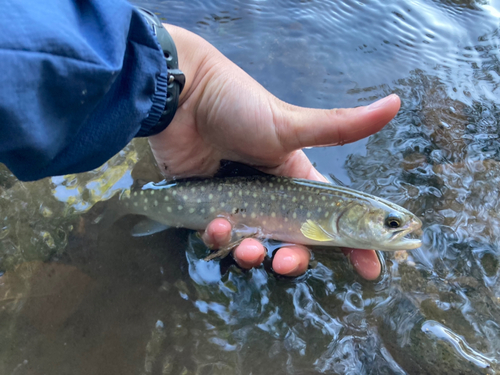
(314, 232)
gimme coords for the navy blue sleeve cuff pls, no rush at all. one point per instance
(151, 124)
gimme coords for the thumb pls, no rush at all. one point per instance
(305, 127)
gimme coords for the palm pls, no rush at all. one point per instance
(224, 120)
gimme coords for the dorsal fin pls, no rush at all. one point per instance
(234, 169)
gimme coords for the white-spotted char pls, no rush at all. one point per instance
(293, 210)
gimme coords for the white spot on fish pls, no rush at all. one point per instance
(193, 190)
(254, 195)
(179, 207)
(174, 193)
(198, 200)
(319, 209)
(230, 194)
(219, 188)
(294, 199)
(135, 193)
(262, 214)
(145, 208)
(145, 200)
(273, 197)
(244, 215)
(273, 214)
(300, 189)
(247, 192)
(245, 204)
(253, 216)
(152, 192)
(255, 205)
(294, 215)
(191, 210)
(323, 198)
(289, 188)
(142, 192)
(286, 220)
(308, 214)
(169, 209)
(281, 187)
(310, 199)
(283, 207)
(166, 198)
(185, 197)
(240, 193)
(156, 203)
(271, 184)
(202, 211)
(263, 205)
(203, 188)
(302, 197)
(264, 190)
(212, 209)
(222, 204)
(135, 204)
(210, 196)
(327, 213)
(264, 222)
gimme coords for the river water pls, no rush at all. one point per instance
(77, 301)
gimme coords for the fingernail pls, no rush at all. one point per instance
(381, 102)
(291, 263)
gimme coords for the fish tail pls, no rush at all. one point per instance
(112, 211)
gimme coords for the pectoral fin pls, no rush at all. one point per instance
(314, 232)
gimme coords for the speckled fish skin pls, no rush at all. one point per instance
(286, 209)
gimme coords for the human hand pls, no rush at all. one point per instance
(225, 114)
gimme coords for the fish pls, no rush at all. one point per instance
(286, 209)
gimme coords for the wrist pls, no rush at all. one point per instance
(194, 54)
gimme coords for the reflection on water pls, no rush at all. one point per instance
(74, 300)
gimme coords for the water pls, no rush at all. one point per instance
(76, 301)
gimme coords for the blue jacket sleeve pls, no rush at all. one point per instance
(80, 79)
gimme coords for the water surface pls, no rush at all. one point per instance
(77, 301)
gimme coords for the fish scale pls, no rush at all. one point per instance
(280, 208)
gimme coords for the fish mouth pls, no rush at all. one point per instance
(406, 239)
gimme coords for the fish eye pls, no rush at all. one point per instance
(393, 221)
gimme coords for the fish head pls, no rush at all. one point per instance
(377, 225)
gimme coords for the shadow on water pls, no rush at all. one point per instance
(77, 300)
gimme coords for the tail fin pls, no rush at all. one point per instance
(110, 213)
